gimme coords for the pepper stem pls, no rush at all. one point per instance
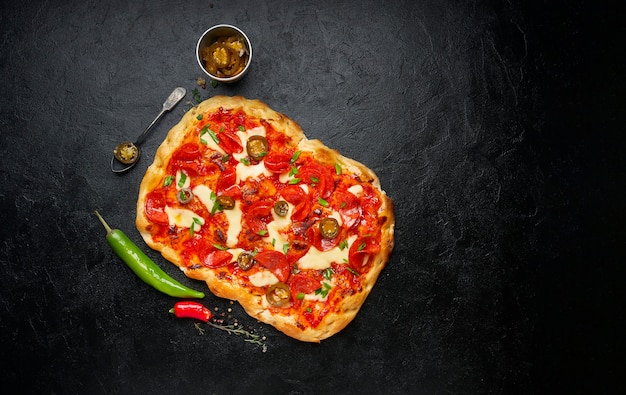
(106, 226)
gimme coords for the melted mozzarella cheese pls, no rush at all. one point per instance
(285, 177)
(320, 260)
(234, 224)
(316, 297)
(204, 194)
(244, 135)
(253, 171)
(356, 190)
(233, 216)
(263, 279)
(334, 214)
(276, 225)
(205, 138)
(183, 218)
(179, 175)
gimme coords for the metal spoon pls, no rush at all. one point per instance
(127, 153)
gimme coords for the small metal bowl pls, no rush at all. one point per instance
(216, 33)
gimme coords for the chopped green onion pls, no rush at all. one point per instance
(293, 171)
(300, 296)
(213, 83)
(294, 181)
(285, 248)
(183, 178)
(168, 181)
(213, 136)
(199, 117)
(328, 273)
(315, 180)
(351, 270)
(241, 128)
(196, 95)
(322, 202)
(343, 244)
(262, 232)
(245, 161)
(323, 290)
(337, 169)
(295, 157)
(361, 247)
(220, 247)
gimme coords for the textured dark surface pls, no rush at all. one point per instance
(493, 125)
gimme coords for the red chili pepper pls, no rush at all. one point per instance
(189, 309)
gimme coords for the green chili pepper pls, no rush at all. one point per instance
(143, 266)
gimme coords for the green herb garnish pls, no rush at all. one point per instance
(183, 178)
(295, 157)
(168, 181)
(323, 290)
(328, 273)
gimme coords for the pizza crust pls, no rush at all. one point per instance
(253, 302)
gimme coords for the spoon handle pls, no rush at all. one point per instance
(171, 101)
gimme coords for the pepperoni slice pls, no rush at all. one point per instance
(226, 180)
(277, 162)
(370, 200)
(187, 152)
(258, 214)
(155, 207)
(296, 196)
(361, 249)
(276, 262)
(348, 206)
(229, 142)
(302, 283)
(217, 258)
(319, 177)
(318, 241)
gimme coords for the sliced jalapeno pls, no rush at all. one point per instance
(245, 261)
(226, 202)
(329, 228)
(257, 147)
(126, 153)
(278, 295)
(281, 208)
(185, 195)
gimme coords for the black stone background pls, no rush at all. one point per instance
(495, 126)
